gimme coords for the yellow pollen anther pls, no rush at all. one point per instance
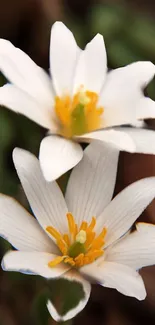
(92, 224)
(75, 231)
(69, 260)
(80, 246)
(79, 260)
(84, 225)
(71, 223)
(66, 239)
(62, 246)
(81, 237)
(94, 254)
(90, 238)
(78, 115)
(53, 232)
(103, 233)
(56, 261)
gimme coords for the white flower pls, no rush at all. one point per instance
(79, 98)
(84, 235)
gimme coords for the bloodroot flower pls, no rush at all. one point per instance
(85, 236)
(81, 100)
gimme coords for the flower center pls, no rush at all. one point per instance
(78, 115)
(80, 246)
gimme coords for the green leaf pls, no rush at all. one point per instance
(65, 294)
(7, 131)
(39, 310)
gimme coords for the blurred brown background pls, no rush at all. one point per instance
(129, 31)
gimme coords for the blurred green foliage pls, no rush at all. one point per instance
(62, 294)
(129, 37)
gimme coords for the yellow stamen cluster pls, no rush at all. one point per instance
(78, 115)
(81, 246)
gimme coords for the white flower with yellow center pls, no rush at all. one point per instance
(81, 101)
(84, 236)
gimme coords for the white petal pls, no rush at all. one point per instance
(63, 56)
(20, 70)
(58, 155)
(46, 199)
(21, 229)
(122, 93)
(92, 66)
(126, 207)
(120, 140)
(117, 276)
(33, 262)
(72, 276)
(91, 184)
(146, 108)
(137, 249)
(143, 139)
(20, 102)
(137, 73)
